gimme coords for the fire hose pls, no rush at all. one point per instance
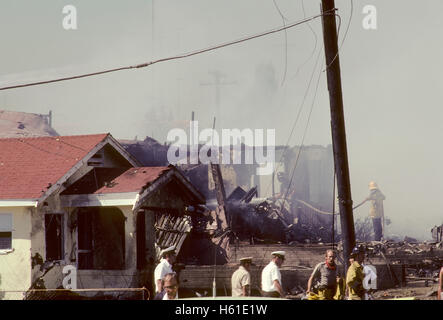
(325, 212)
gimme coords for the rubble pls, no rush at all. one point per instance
(421, 261)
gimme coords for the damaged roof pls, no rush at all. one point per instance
(133, 180)
(30, 166)
(144, 180)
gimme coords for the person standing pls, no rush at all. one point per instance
(440, 285)
(170, 288)
(355, 275)
(376, 211)
(164, 267)
(326, 273)
(241, 279)
(370, 274)
(271, 277)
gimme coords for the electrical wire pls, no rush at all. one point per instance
(303, 139)
(74, 146)
(279, 11)
(297, 117)
(286, 41)
(344, 37)
(185, 55)
(306, 92)
(346, 33)
(315, 42)
(50, 152)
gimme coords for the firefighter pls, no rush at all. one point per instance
(376, 211)
(355, 275)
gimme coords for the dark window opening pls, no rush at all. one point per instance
(101, 239)
(54, 236)
(5, 231)
(5, 240)
(84, 221)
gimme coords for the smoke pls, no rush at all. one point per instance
(391, 89)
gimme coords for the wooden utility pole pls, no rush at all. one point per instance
(338, 129)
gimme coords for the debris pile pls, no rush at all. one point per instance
(422, 260)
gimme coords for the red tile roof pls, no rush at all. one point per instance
(133, 180)
(28, 166)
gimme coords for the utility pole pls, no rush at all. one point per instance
(338, 128)
(217, 83)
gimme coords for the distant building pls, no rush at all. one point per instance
(21, 124)
(313, 179)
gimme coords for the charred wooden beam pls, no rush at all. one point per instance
(221, 196)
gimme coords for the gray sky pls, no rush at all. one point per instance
(391, 81)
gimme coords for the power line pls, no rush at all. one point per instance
(185, 55)
(283, 18)
(346, 32)
(279, 11)
(344, 37)
(297, 117)
(303, 138)
(47, 151)
(315, 42)
(73, 145)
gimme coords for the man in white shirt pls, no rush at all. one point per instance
(241, 279)
(271, 277)
(369, 281)
(164, 267)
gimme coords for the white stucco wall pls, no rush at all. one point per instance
(15, 266)
(16, 271)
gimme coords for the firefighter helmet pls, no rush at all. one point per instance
(357, 250)
(372, 185)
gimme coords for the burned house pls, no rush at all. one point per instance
(298, 194)
(84, 201)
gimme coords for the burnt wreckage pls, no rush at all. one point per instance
(283, 216)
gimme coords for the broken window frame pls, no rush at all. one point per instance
(6, 223)
(61, 236)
